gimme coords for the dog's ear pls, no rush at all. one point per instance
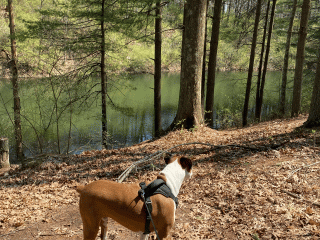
(186, 163)
(167, 158)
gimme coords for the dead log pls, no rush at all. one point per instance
(4, 153)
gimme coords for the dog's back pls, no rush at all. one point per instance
(122, 203)
(79, 189)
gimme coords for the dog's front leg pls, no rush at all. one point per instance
(144, 236)
(104, 228)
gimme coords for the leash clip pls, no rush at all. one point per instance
(142, 194)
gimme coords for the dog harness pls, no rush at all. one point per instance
(158, 186)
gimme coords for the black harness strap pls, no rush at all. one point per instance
(148, 203)
(158, 186)
(164, 190)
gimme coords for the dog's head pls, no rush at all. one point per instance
(177, 170)
(180, 164)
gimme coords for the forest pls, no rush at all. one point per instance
(68, 45)
(234, 85)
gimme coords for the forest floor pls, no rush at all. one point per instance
(258, 182)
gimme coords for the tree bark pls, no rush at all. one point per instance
(189, 113)
(4, 153)
(204, 64)
(251, 65)
(286, 61)
(261, 61)
(103, 79)
(157, 70)
(15, 85)
(314, 114)
(213, 62)
(297, 84)
(265, 66)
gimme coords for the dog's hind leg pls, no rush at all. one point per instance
(144, 236)
(90, 230)
(104, 228)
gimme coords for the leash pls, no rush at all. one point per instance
(158, 186)
(149, 214)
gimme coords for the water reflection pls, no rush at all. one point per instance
(132, 120)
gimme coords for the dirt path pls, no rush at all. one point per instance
(259, 182)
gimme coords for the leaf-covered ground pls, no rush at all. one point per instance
(259, 182)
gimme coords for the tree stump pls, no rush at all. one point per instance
(4, 153)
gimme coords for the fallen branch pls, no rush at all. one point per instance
(161, 152)
(15, 231)
(239, 146)
(293, 172)
(316, 204)
(304, 200)
(152, 157)
(51, 234)
(297, 196)
(291, 194)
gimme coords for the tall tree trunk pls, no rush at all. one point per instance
(251, 65)
(261, 61)
(297, 84)
(4, 153)
(15, 85)
(103, 79)
(265, 66)
(157, 70)
(189, 113)
(213, 62)
(70, 122)
(204, 64)
(286, 61)
(56, 109)
(314, 114)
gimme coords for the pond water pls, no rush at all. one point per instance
(130, 114)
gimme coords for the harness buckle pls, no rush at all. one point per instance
(142, 194)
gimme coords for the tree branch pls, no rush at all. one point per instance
(153, 156)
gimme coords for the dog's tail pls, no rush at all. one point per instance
(79, 189)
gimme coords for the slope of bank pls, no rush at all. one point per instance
(257, 182)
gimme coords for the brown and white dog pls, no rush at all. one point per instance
(120, 201)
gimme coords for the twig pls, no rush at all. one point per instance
(302, 168)
(238, 146)
(291, 194)
(17, 230)
(51, 234)
(297, 196)
(316, 204)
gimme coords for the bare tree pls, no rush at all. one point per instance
(261, 58)
(314, 114)
(251, 64)
(297, 84)
(15, 85)
(213, 61)
(103, 77)
(260, 88)
(204, 64)
(286, 61)
(157, 70)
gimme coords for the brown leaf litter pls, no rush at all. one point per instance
(259, 182)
